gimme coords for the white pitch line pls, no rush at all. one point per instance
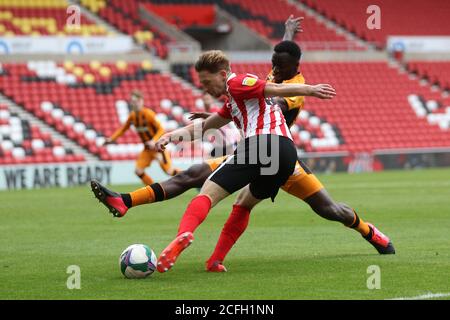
(424, 296)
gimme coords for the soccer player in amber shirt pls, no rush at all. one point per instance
(149, 130)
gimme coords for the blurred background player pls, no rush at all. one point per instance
(149, 130)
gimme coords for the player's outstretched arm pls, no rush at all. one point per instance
(188, 133)
(291, 27)
(119, 132)
(321, 91)
(199, 115)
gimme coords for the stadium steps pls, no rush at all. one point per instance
(331, 25)
(158, 63)
(46, 128)
(403, 69)
(94, 17)
(184, 82)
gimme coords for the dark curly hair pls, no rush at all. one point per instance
(289, 47)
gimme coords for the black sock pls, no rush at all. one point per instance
(126, 199)
(158, 190)
(357, 221)
(369, 235)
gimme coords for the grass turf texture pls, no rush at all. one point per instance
(287, 252)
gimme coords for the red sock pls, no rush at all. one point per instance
(236, 224)
(195, 213)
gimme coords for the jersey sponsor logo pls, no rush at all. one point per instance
(249, 81)
(141, 129)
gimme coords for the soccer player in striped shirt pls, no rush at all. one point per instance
(264, 160)
(302, 184)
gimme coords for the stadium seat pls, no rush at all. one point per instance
(437, 72)
(368, 113)
(41, 18)
(78, 108)
(124, 15)
(22, 143)
(267, 18)
(396, 17)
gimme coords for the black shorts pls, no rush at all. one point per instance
(263, 161)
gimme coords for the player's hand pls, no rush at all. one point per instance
(150, 145)
(293, 25)
(199, 115)
(208, 100)
(323, 91)
(107, 141)
(162, 142)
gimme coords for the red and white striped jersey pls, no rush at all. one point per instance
(248, 108)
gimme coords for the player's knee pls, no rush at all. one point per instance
(195, 176)
(138, 172)
(241, 201)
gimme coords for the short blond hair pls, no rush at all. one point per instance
(138, 94)
(212, 61)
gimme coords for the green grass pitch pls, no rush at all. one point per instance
(287, 252)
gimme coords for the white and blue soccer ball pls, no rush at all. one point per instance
(137, 261)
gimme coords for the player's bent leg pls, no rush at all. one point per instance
(304, 185)
(326, 207)
(143, 176)
(246, 199)
(194, 215)
(234, 227)
(194, 177)
(143, 161)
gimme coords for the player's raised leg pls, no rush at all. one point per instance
(143, 161)
(119, 203)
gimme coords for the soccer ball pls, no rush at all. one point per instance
(137, 261)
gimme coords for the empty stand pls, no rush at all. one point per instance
(267, 18)
(124, 15)
(437, 72)
(87, 109)
(23, 143)
(41, 18)
(416, 17)
(371, 110)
